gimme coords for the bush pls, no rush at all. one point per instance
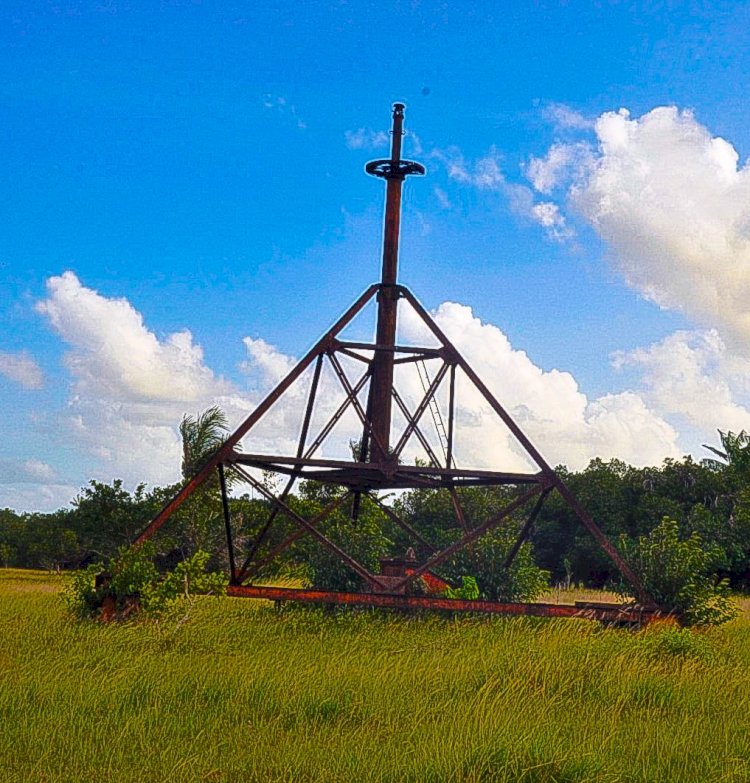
(680, 574)
(135, 583)
(523, 581)
(363, 539)
(80, 594)
(666, 643)
(469, 590)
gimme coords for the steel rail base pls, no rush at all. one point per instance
(617, 615)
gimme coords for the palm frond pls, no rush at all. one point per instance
(201, 436)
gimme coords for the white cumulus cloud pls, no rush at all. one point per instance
(485, 173)
(673, 204)
(366, 139)
(129, 389)
(562, 161)
(121, 411)
(266, 365)
(113, 352)
(31, 484)
(548, 214)
(692, 375)
(566, 118)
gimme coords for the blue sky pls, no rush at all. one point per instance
(198, 167)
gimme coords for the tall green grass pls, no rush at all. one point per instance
(234, 691)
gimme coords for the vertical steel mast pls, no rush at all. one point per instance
(394, 171)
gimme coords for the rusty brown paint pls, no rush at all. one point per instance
(380, 403)
(615, 614)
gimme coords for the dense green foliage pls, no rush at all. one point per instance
(132, 577)
(431, 512)
(364, 540)
(469, 590)
(679, 573)
(231, 690)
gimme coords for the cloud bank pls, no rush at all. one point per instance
(553, 412)
(673, 205)
(129, 389)
(691, 375)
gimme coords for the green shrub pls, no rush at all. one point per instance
(523, 581)
(135, 582)
(677, 643)
(364, 540)
(680, 574)
(80, 594)
(190, 577)
(469, 590)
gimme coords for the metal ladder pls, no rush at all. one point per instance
(437, 417)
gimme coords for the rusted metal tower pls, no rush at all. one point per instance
(377, 465)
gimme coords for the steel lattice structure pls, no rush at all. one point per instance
(372, 395)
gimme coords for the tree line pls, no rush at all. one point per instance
(708, 498)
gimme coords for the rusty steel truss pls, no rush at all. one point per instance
(378, 464)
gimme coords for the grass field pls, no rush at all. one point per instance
(234, 691)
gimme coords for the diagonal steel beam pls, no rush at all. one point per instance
(457, 507)
(353, 355)
(405, 526)
(421, 408)
(417, 431)
(340, 411)
(525, 530)
(297, 470)
(253, 568)
(342, 376)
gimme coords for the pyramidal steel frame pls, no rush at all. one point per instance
(377, 465)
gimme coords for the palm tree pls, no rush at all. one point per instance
(201, 437)
(735, 457)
